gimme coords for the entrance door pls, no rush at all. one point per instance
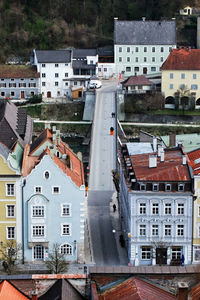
(22, 94)
(144, 70)
(161, 256)
(48, 94)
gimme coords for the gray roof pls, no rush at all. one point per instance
(145, 32)
(82, 64)
(139, 148)
(81, 53)
(53, 56)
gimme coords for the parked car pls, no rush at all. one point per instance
(95, 84)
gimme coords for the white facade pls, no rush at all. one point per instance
(106, 70)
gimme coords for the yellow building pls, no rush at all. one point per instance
(10, 198)
(181, 75)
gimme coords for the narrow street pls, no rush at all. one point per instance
(104, 241)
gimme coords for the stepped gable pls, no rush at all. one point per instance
(183, 59)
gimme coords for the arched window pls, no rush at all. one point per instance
(198, 101)
(169, 100)
(66, 249)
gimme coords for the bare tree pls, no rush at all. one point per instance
(9, 254)
(56, 262)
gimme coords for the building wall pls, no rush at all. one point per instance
(106, 70)
(134, 56)
(69, 193)
(8, 89)
(196, 221)
(170, 86)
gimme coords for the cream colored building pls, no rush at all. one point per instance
(181, 72)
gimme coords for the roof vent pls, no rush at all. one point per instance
(152, 161)
(184, 159)
(154, 144)
(162, 156)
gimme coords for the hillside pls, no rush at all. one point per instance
(50, 24)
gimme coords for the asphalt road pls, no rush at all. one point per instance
(101, 187)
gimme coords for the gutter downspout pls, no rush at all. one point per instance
(22, 192)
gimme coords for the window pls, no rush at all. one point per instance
(43, 83)
(66, 83)
(38, 211)
(176, 253)
(128, 69)
(194, 76)
(128, 49)
(196, 253)
(2, 85)
(198, 211)
(171, 75)
(171, 86)
(2, 94)
(155, 187)
(168, 208)
(66, 229)
(142, 187)
(10, 189)
(38, 189)
(120, 59)
(142, 208)
(161, 49)
(56, 190)
(10, 233)
(146, 252)
(56, 65)
(38, 252)
(136, 69)
(38, 231)
(153, 69)
(43, 75)
(168, 230)
(161, 59)
(182, 75)
(46, 174)
(180, 209)
(66, 249)
(32, 84)
(180, 230)
(105, 69)
(66, 210)
(154, 230)
(145, 49)
(120, 49)
(128, 59)
(66, 65)
(181, 187)
(56, 75)
(194, 87)
(66, 74)
(136, 49)
(142, 230)
(170, 49)
(12, 94)
(43, 65)
(10, 211)
(153, 59)
(91, 62)
(153, 49)
(155, 209)
(12, 85)
(168, 187)
(56, 83)
(136, 59)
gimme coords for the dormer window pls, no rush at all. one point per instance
(155, 187)
(142, 187)
(181, 187)
(46, 174)
(168, 187)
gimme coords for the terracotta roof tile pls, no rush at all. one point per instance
(137, 80)
(194, 161)
(171, 169)
(9, 292)
(183, 59)
(18, 71)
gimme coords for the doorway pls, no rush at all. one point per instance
(48, 94)
(22, 94)
(161, 256)
(144, 70)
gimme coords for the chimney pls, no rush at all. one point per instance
(182, 291)
(34, 295)
(162, 156)
(152, 161)
(184, 159)
(154, 144)
(172, 140)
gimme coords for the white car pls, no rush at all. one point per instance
(95, 84)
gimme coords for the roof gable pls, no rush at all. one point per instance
(137, 80)
(9, 292)
(145, 32)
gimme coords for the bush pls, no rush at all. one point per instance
(35, 99)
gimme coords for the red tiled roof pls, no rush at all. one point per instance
(194, 161)
(171, 169)
(18, 71)
(137, 80)
(136, 289)
(183, 59)
(195, 293)
(9, 292)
